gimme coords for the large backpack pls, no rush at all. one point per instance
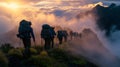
(60, 34)
(46, 31)
(24, 29)
(46, 26)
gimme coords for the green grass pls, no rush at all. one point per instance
(57, 57)
(3, 60)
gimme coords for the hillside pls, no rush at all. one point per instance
(88, 46)
(92, 49)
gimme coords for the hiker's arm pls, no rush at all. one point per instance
(42, 34)
(32, 35)
(54, 32)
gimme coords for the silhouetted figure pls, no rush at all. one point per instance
(60, 36)
(65, 35)
(46, 34)
(53, 36)
(71, 35)
(25, 33)
(76, 34)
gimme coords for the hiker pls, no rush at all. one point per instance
(52, 37)
(60, 36)
(65, 35)
(46, 34)
(71, 35)
(25, 33)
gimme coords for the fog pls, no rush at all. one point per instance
(96, 47)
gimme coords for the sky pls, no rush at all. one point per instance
(54, 12)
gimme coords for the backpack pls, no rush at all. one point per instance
(46, 31)
(24, 29)
(60, 34)
(46, 26)
(53, 32)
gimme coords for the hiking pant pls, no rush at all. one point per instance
(47, 43)
(52, 42)
(26, 42)
(65, 38)
(60, 40)
(27, 45)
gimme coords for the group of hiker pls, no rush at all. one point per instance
(25, 33)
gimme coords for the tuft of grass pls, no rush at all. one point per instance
(6, 47)
(38, 48)
(15, 57)
(44, 61)
(33, 51)
(41, 61)
(44, 53)
(63, 57)
(15, 52)
(3, 60)
(56, 57)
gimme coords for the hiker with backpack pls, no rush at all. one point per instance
(65, 35)
(60, 36)
(46, 34)
(53, 36)
(71, 34)
(25, 33)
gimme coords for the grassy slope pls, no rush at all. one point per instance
(57, 57)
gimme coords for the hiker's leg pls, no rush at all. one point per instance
(29, 46)
(47, 43)
(29, 43)
(60, 40)
(52, 42)
(24, 43)
(45, 46)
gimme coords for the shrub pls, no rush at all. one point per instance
(44, 61)
(38, 48)
(15, 52)
(21, 49)
(3, 60)
(79, 62)
(41, 61)
(33, 51)
(6, 47)
(58, 54)
(44, 53)
(64, 58)
(15, 57)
